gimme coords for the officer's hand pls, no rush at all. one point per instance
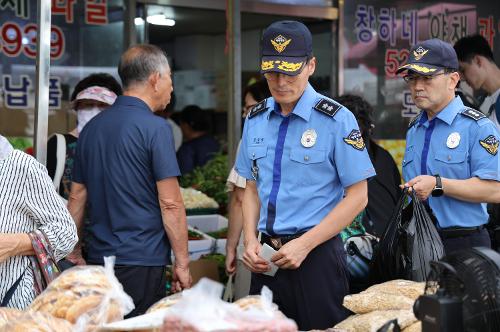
(423, 186)
(251, 257)
(291, 255)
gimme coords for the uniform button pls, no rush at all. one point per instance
(449, 157)
(253, 155)
(306, 158)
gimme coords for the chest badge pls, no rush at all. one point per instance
(309, 138)
(453, 140)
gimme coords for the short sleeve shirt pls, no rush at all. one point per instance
(305, 161)
(455, 146)
(121, 154)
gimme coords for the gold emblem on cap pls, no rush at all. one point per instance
(419, 53)
(280, 43)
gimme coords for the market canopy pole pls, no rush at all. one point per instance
(42, 81)
(233, 44)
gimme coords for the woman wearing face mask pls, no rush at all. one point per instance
(91, 96)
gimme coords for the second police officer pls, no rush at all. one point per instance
(306, 167)
(451, 158)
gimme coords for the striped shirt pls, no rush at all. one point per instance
(28, 201)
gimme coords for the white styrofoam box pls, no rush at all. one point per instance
(208, 222)
(197, 248)
(220, 246)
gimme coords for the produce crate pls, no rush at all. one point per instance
(204, 246)
(210, 223)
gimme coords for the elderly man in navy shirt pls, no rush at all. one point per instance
(306, 167)
(126, 170)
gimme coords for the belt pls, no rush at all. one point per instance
(452, 232)
(277, 242)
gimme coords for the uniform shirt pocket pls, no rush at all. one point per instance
(408, 158)
(309, 164)
(451, 163)
(257, 152)
(308, 156)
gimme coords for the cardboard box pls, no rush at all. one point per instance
(204, 268)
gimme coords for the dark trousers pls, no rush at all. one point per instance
(311, 295)
(145, 285)
(480, 238)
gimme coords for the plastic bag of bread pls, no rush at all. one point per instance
(410, 289)
(166, 302)
(415, 327)
(253, 301)
(202, 310)
(374, 320)
(86, 296)
(365, 302)
(8, 314)
(36, 322)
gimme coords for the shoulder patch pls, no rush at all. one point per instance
(473, 114)
(327, 107)
(414, 120)
(490, 144)
(260, 107)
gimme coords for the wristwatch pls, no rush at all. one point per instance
(438, 188)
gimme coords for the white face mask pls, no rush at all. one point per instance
(84, 115)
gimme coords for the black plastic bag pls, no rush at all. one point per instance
(410, 241)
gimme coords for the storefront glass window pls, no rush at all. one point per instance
(87, 37)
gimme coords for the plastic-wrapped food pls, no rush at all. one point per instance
(166, 302)
(370, 301)
(9, 314)
(202, 310)
(374, 320)
(86, 296)
(410, 289)
(253, 301)
(415, 327)
(37, 322)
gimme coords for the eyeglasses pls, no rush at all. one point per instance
(273, 76)
(412, 79)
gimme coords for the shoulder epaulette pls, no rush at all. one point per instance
(414, 120)
(260, 107)
(473, 114)
(327, 107)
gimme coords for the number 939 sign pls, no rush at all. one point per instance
(15, 40)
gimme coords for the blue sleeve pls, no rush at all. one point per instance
(77, 170)
(484, 159)
(351, 158)
(243, 165)
(185, 158)
(164, 161)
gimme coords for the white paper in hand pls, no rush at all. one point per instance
(266, 253)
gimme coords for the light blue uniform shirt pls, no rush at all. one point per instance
(455, 146)
(298, 185)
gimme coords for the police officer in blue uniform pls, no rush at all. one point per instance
(306, 167)
(451, 158)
